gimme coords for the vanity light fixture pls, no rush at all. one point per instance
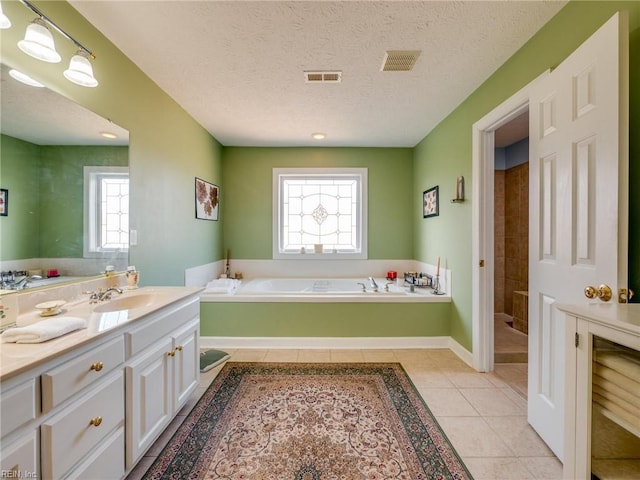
(80, 71)
(38, 42)
(4, 20)
(319, 136)
(24, 78)
(109, 135)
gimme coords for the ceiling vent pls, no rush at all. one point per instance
(400, 60)
(323, 77)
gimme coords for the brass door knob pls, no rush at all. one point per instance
(603, 292)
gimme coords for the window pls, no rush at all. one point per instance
(320, 211)
(106, 207)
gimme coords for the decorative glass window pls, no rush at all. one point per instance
(106, 210)
(320, 212)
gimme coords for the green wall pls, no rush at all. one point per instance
(446, 151)
(222, 319)
(20, 175)
(62, 194)
(168, 148)
(247, 208)
(46, 194)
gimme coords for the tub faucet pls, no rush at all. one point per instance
(374, 285)
(24, 282)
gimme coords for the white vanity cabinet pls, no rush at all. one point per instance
(89, 404)
(602, 436)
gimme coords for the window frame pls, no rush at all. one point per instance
(91, 225)
(361, 176)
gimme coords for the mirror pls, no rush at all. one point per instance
(46, 141)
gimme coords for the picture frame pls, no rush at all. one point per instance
(207, 196)
(431, 202)
(4, 202)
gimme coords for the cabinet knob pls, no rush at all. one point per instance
(96, 421)
(172, 353)
(603, 292)
(179, 348)
(97, 366)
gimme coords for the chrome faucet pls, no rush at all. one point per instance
(374, 285)
(24, 282)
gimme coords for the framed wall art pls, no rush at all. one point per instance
(207, 200)
(4, 202)
(430, 203)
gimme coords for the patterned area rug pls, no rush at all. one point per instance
(302, 421)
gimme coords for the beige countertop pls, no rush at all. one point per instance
(624, 317)
(17, 358)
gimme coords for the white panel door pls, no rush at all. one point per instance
(578, 221)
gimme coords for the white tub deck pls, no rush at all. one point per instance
(314, 290)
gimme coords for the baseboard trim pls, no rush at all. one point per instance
(338, 343)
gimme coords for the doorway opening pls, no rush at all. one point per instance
(484, 133)
(511, 251)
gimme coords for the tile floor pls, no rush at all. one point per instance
(484, 418)
(509, 344)
(510, 354)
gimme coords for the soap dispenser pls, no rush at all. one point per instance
(133, 277)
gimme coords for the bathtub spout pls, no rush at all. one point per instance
(374, 285)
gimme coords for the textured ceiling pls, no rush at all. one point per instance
(43, 117)
(238, 67)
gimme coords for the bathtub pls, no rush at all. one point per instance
(322, 311)
(324, 289)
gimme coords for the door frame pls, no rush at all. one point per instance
(482, 220)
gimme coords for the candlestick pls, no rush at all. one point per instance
(438, 267)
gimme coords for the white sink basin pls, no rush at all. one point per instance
(126, 303)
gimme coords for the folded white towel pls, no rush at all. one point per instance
(43, 330)
(222, 285)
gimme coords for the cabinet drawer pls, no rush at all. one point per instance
(105, 462)
(18, 406)
(64, 381)
(20, 457)
(69, 436)
(161, 326)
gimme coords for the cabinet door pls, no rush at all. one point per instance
(187, 362)
(149, 399)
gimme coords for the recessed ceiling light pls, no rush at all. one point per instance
(319, 135)
(108, 135)
(24, 78)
